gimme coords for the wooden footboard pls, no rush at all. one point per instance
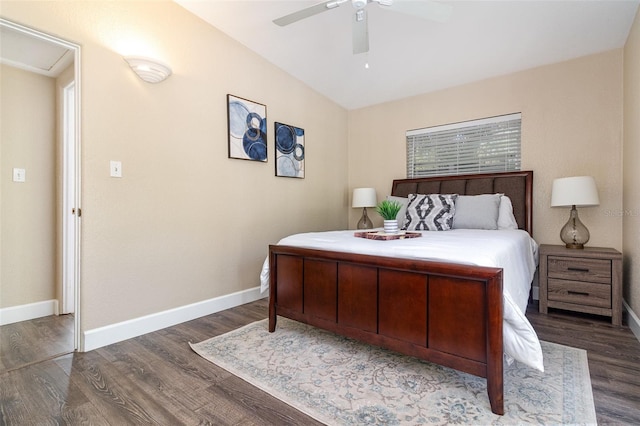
(445, 313)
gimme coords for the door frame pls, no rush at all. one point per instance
(68, 237)
(72, 185)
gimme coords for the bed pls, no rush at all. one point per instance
(451, 309)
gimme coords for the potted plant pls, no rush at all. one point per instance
(389, 210)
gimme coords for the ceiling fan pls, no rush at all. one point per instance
(427, 9)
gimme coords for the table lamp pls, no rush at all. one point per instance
(364, 197)
(574, 191)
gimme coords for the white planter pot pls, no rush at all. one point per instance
(391, 226)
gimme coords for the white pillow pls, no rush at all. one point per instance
(506, 219)
(477, 211)
(403, 210)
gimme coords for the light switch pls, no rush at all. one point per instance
(116, 168)
(19, 175)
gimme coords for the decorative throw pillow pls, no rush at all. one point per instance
(403, 211)
(431, 212)
(506, 219)
(477, 211)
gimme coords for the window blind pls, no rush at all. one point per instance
(478, 146)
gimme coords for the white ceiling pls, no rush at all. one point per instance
(410, 55)
(34, 54)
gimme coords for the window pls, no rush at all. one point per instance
(478, 146)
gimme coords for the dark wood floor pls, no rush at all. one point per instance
(614, 360)
(27, 342)
(157, 379)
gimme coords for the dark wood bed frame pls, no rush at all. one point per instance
(446, 313)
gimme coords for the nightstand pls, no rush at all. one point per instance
(587, 280)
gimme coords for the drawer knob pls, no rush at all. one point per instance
(578, 269)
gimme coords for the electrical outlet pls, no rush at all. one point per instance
(115, 168)
(19, 175)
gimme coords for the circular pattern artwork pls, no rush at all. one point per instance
(289, 151)
(247, 129)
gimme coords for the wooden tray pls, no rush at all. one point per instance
(380, 235)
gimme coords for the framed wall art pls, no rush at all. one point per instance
(289, 150)
(247, 125)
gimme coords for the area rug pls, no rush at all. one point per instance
(339, 381)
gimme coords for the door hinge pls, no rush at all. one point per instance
(77, 211)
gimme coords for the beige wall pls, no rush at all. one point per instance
(571, 125)
(631, 154)
(184, 223)
(27, 263)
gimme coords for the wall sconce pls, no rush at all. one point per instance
(574, 191)
(149, 70)
(364, 197)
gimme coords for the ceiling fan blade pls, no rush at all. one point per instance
(360, 32)
(427, 9)
(309, 11)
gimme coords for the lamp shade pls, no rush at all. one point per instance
(364, 197)
(579, 191)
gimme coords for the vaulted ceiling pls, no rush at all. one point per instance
(409, 55)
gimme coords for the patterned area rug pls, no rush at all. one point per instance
(339, 381)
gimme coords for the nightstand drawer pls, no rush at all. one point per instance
(571, 268)
(579, 293)
(587, 280)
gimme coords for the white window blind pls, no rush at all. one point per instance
(478, 146)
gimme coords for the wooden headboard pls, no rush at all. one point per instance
(518, 186)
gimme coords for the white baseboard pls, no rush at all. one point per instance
(28, 312)
(633, 320)
(103, 336)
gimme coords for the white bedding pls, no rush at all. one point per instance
(512, 250)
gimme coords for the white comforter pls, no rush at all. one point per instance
(512, 250)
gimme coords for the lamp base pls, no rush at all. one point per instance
(574, 234)
(574, 246)
(364, 222)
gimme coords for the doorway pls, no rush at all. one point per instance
(29, 310)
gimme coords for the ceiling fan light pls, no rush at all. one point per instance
(359, 4)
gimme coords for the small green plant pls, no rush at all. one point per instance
(388, 209)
